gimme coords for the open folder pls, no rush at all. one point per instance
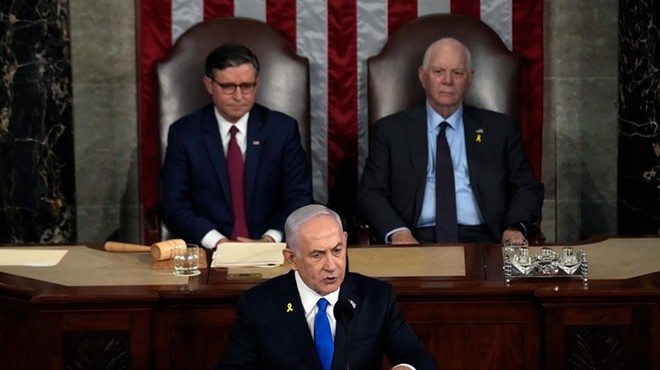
(248, 254)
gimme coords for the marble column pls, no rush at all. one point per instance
(37, 184)
(639, 115)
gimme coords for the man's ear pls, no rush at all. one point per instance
(420, 74)
(290, 258)
(208, 83)
(471, 77)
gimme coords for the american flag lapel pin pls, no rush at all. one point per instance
(256, 142)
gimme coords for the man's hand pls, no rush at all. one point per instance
(223, 240)
(403, 237)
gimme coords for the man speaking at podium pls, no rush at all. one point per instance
(318, 316)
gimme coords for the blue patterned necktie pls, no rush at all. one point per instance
(446, 225)
(323, 335)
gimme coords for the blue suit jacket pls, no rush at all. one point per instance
(268, 336)
(195, 184)
(392, 186)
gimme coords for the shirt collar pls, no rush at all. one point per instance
(309, 298)
(433, 119)
(225, 125)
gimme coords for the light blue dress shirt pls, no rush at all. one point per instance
(467, 210)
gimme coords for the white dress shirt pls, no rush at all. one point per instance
(212, 237)
(310, 298)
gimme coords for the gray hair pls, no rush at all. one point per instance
(301, 216)
(429, 50)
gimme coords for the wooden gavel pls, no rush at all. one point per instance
(160, 251)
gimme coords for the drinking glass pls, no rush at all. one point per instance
(186, 260)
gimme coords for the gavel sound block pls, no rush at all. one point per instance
(160, 251)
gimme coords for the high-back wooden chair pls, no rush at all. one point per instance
(284, 76)
(393, 82)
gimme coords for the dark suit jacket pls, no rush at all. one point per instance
(266, 336)
(195, 184)
(392, 187)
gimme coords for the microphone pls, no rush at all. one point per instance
(344, 314)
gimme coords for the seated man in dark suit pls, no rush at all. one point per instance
(233, 170)
(280, 324)
(444, 172)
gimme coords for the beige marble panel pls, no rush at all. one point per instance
(97, 223)
(103, 41)
(586, 154)
(599, 217)
(581, 58)
(105, 119)
(549, 222)
(585, 37)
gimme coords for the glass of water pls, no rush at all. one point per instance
(186, 260)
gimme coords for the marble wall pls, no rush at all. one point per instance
(580, 127)
(37, 188)
(639, 109)
(103, 54)
(580, 123)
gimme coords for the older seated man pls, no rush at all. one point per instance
(444, 172)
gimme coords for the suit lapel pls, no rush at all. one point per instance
(348, 291)
(253, 150)
(476, 139)
(416, 140)
(213, 144)
(293, 314)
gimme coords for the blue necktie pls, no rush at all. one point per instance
(446, 226)
(323, 336)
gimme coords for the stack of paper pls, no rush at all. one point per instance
(248, 254)
(31, 257)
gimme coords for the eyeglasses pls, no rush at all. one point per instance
(246, 87)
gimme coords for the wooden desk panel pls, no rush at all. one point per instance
(476, 321)
(201, 330)
(461, 336)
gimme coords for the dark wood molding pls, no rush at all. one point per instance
(477, 321)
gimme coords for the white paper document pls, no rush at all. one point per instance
(248, 254)
(31, 257)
